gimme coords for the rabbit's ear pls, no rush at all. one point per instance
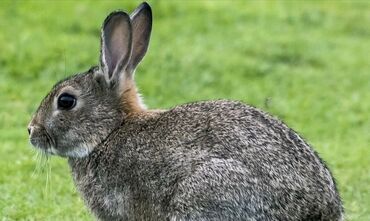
(116, 41)
(141, 20)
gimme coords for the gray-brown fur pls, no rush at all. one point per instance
(212, 160)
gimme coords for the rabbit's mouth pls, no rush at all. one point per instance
(40, 139)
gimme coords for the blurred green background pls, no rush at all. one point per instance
(305, 62)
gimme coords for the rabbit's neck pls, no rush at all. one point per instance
(131, 100)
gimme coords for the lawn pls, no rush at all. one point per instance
(305, 62)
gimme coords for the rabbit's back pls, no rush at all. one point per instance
(221, 160)
(235, 159)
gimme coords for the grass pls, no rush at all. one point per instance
(305, 62)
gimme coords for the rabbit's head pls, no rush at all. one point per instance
(82, 110)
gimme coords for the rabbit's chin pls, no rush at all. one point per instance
(74, 152)
(81, 151)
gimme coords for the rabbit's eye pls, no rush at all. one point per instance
(66, 101)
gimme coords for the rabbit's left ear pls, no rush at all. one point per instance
(116, 41)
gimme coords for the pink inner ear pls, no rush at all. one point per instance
(140, 28)
(117, 41)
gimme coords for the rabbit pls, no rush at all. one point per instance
(209, 160)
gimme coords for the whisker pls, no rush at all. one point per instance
(37, 158)
(49, 139)
(48, 176)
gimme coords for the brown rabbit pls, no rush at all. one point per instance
(214, 160)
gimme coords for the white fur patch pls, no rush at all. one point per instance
(82, 151)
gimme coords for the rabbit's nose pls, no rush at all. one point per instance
(29, 130)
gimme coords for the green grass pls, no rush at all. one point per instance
(305, 62)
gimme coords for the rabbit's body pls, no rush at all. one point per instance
(217, 160)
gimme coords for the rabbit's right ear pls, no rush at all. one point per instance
(116, 41)
(141, 20)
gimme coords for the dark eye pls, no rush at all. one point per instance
(66, 101)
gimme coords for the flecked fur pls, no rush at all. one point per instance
(211, 160)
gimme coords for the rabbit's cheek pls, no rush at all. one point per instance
(73, 144)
